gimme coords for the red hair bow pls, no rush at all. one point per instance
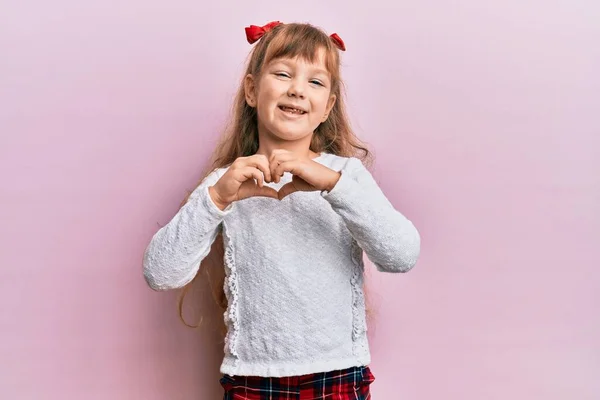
(254, 33)
(338, 41)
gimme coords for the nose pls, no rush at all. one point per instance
(296, 88)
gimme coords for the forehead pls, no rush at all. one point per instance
(318, 59)
(319, 64)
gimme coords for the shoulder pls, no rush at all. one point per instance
(340, 163)
(210, 178)
(216, 173)
(221, 170)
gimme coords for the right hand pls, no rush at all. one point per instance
(244, 178)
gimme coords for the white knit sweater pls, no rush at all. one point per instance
(294, 268)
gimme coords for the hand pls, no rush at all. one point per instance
(308, 175)
(244, 178)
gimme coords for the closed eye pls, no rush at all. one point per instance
(282, 74)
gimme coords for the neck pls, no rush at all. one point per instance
(300, 148)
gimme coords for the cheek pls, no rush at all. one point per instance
(321, 104)
(270, 92)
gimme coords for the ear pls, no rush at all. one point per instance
(250, 90)
(330, 104)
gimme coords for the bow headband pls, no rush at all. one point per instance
(254, 33)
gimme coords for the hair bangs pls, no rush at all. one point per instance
(304, 42)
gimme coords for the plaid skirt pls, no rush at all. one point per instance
(351, 384)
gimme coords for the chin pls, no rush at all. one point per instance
(290, 134)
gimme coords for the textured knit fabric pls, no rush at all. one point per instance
(348, 384)
(293, 268)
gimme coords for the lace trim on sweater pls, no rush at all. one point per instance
(359, 323)
(231, 291)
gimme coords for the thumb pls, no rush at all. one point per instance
(251, 189)
(287, 189)
(266, 191)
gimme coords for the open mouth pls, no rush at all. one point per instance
(292, 110)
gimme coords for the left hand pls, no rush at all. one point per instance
(308, 175)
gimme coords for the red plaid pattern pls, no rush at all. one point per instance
(348, 384)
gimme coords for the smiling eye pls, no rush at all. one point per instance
(316, 82)
(282, 74)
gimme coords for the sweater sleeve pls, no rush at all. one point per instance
(389, 239)
(173, 256)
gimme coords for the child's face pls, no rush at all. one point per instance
(292, 97)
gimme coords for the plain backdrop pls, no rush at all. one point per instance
(483, 117)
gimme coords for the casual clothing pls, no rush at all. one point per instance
(294, 268)
(349, 384)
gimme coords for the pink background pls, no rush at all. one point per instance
(484, 120)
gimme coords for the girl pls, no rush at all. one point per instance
(295, 209)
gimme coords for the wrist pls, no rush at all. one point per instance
(335, 179)
(216, 199)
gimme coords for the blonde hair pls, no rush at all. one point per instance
(241, 136)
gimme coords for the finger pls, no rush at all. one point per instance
(278, 157)
(286, 166)
(252, 173)
(261, 162)
(264, 168)
(279, 153)
(272, 166)
(281, 156)
(277, 170)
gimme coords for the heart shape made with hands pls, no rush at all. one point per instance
(250, 177)
(251, 189)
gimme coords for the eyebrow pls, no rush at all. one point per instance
(289, 64)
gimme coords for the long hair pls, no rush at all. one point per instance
(240, 138)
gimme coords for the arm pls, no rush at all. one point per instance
(173, 256)
(390, 240)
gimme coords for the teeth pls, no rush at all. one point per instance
(292, 110)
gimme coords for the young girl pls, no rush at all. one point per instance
(295, 209)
